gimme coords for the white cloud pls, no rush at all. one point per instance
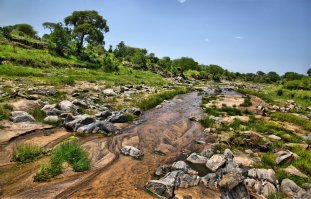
(206, 39)
(238, 37)
(181, 1)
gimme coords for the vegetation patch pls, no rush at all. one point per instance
(300, 121)
(70, 152)
(5, 110)
(157, 99)
(27, 153)
(247, 102)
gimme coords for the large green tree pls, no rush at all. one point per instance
(309, 72)
(88, 27)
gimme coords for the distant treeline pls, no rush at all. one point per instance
(81, 36)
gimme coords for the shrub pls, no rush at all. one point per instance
(280, 92)
(70, 152)
(231, 111)
(38, 114)
(207, 122)
(27, 153)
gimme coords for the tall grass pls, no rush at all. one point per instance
(27, 153)
(70, 152)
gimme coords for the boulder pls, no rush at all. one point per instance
(118, 118)
(75, 122)
(67, 106)
(51, 119)
(294, 171)
(215, 162)
(197, 159)
(104, 115)
(98, 127)
(268, 189)
(211, 179)
(284, 156)
(51, 110)
(263, 174)
(187, 180)
(207, 153)
(232, 186)
(21, 116)
(164, 187)
(180, 165)
(132, 151)
(109, 92)
(290, 189)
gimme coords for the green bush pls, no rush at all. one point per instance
(207, 122)
(231, 110)
(70, 152)
(280, 92)
(27, 153)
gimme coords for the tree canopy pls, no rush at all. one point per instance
(88, 27)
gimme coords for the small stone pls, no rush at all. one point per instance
(51, 119)
(284, 156)
(274, 137)
(131, 151)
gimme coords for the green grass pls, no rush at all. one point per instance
(154, 100)
(27, 153)
(37, 114)
(247, 102)
(37, 58)
(68, 76)
(281, 174)
(303, 162)
(70, 152)
(206, 122)
(5, 110)
(300, 121)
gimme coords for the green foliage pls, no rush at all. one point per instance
(309, 72)
(110, 63)
(206, 122)
(27, 153)
(268, 160)
(59, 38)
(292, 76)
(247, 101)
(300, 121)
(5, 110)
(231, 111)
(303, 162)
(304, 84)
(88, 26)
(280, 92)
(70, 152)
(26, 29)
(37, 114)
(281, 174)
(158, 98)
(215, 71)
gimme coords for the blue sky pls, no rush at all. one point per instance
(240, 35)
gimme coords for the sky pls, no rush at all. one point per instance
(239, 35)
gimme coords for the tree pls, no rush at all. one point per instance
(292, 76)
(309, 72)
(59, 38)
(6, 31)
(216, 71)
(26, 29)
(272, 77)
(88, 26)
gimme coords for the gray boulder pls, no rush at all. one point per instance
(78, 121)
(67, 106)
(180, 165)
(132, 151)
(197, 159)
(21, 116)
(215, 162)
(51, 110)
(208, 153)
(284, 156)
(104, 115)
(231, 186)
(290, 189)
(51, 119)
(263, 174)
(109, 92)
(118, 118)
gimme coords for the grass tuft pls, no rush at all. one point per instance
(27, 153)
